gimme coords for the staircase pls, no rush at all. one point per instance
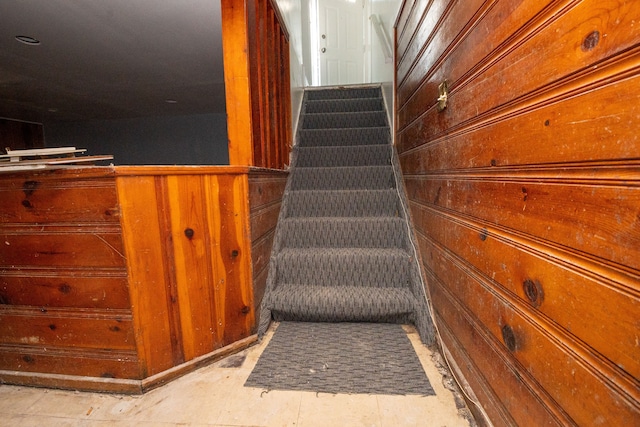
(342, 251)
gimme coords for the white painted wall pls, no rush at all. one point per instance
(292, 13)
(386, 10)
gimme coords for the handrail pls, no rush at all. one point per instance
(383, 38)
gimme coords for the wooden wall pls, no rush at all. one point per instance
(266, 190)
(188, 258)
(20, 135)
(64, 299)
(525, 194)
(120, 279)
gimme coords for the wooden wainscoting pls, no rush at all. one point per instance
(266, 189)
(120, 279)
(188, 258)
(64, 299)
(525, 195)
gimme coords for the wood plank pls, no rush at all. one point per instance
(235, 46)
(53, 201)
(442, 30)
(568, 373)
(43, 327)
(286, 106)
(14, 162)
(264, 221)
(266, 188)
(277, 76)
(499, 143)
(261, 253)
(170, 279)
(426, 17)
(146, 266)
(271, 72)
(465, 102)
(59, 246)
(194, 275)
(265, 88)
(560, 288)
(563, 213)
(400, 25)
(532, 264)
(179, 170)
(65, 288)
(227, 207)
(35, 152)
(118, 385)
(515, 400)
(485, 39)
(69, 361)
(255, 67)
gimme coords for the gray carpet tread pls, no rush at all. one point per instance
(346, 203)
(294, 302)
(343, 178)
(344, 105)
(356, 155)
(376, 267)
(343, 137)
(338, 232)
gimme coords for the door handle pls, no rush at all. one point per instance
(323, 50)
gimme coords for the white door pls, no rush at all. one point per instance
(341, 42)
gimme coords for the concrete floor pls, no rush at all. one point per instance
(215, 396)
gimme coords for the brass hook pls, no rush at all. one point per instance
(443, 92)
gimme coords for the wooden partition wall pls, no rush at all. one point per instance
(525, 194)
(20, 135)
(257, 80)
(120, 279)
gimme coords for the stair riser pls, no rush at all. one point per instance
(370, 177)
(337, 233)
(377, 155)
(344, 120)
(342, 304)
(344, 106)
(342, 203)
(343, 137)
(356, 270)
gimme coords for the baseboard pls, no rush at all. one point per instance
(115, 385)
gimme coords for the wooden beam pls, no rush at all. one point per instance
(235, 45)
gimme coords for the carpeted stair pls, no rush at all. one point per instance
(343, 252)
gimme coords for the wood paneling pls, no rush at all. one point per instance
(64, 298)
(20, 135)
(189, 268)
(257, 81)
(133, 274)
(525, 195)
(266, 190)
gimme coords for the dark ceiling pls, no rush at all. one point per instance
(110, 59)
